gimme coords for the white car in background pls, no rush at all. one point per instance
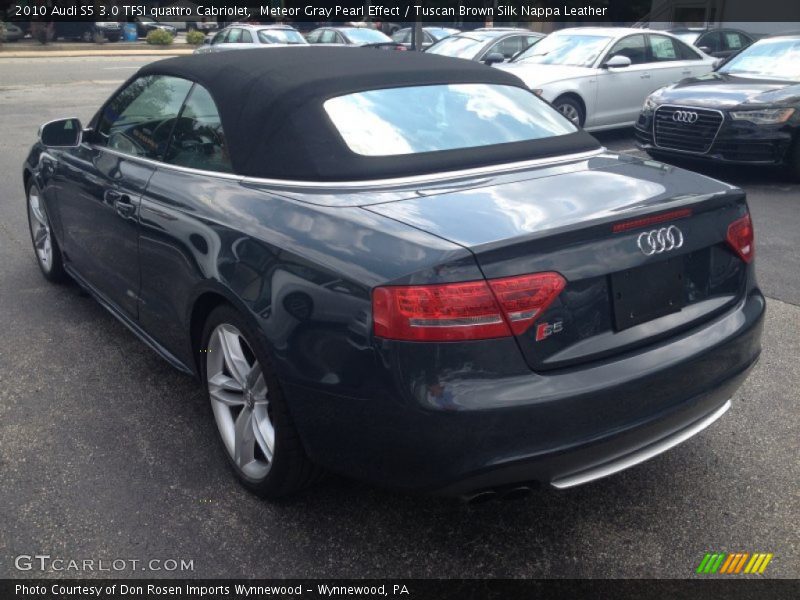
(241, 36)
(598, 77)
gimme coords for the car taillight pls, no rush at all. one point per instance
(741, 238)
(473, 310)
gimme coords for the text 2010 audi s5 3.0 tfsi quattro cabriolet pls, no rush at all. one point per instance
(401, 267)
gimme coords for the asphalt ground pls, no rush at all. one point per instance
(107, 453)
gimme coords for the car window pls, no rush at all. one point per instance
(458, 46)
(507, 47)
(138, 120)
(246, 37)
(685, 51)
(198, 141)
(431, 118)
(632, 46)
(234, 36)
(734, 40)
(328, 37)
(313, 37)
(281, 36)
(711, 40)
(663, 48)
(220, 37)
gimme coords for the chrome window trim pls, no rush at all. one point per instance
(367, 183)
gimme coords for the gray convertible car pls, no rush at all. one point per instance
(402, 267)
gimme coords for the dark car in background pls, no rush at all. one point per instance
(490, 45)
(10, 32)
(746, 111)
(720, 43)
(430, 35)
(145, 25)
(401, 267)
(88, 31)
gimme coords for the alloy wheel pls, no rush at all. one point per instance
(570, 112)
(240, 401)
(40, 231)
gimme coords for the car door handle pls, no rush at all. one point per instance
(686, 72)
(645, 75)
(122, 203)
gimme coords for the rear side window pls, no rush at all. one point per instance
(139, 119)
(411, 120)
(198, 140)
(663, 48)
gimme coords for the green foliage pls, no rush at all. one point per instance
(195, 37)
(159, 37)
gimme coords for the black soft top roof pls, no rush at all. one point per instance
(270, 102)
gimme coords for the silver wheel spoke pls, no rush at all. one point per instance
(263, 430)
(226, 390)
(233, 355)
(244, 439)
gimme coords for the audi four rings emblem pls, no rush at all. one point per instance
(660, 240)
(684, 116)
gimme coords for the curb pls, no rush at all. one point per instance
(91, 53)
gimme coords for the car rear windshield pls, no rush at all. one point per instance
(777, 58)
(280, 36)
(363, 35)
(412, 120)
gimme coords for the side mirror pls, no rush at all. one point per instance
(717, 64)
(705, 49)
(64, 133)
(207, 40)
(617, 62)
(494, 58)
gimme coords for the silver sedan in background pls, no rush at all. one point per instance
(598, 77)
(489, 45)
(244, 36)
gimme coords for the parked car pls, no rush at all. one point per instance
(490, 45)
(720, 43)
(145, 25)
(244, 36)
(353, 36)
(747, 111)
(280, 224)
(430, 35)
(598, 77)
(88, 31)
(10, 32)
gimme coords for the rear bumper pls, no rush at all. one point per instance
(563, 427)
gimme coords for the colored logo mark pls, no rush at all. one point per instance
(734, 563)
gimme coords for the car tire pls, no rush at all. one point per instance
(571, 108)
(255, 429)
(45, 247)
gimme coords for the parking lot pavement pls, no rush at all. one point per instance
(106, 452)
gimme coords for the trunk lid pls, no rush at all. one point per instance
(617, 297)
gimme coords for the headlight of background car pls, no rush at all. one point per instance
(763, 117)
(649, 104)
